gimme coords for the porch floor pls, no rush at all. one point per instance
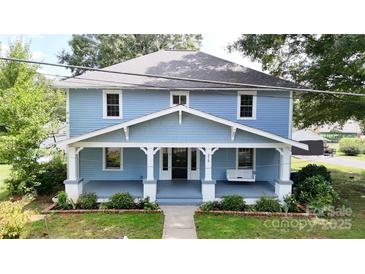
(180, 191)
(245, 189)
(105, 189)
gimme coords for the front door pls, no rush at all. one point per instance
(179, 163)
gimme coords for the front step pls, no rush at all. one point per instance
(179, 201)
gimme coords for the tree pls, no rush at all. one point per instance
(28, 112)
(102, 50)
(324, 62)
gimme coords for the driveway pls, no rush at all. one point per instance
(337, 160)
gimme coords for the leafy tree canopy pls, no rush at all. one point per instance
(102, 50)
(324, 62)
(28, 112)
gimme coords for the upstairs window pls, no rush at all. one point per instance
(179, 98)
(113, 158)
(245, 158)
(246, 105)
(112, 104)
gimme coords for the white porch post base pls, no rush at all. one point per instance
(283, 188)
(73, 188)
(150, 189)
(208, 190)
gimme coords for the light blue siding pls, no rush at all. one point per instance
(86, 108)
(114, 136)
(193, 129)
(223, 159)
(134, 165)
(272, 113)
(267, 163)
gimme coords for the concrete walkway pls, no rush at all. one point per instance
(337, 160)
(179, 222)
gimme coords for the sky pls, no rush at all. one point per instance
(46, 48)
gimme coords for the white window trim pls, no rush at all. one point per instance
(105, 92)
(253, 160)
(186, 93)
(254, 104)
(112, 169)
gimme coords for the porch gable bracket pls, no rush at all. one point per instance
(126, 133)
(180, 117)
(233, 133)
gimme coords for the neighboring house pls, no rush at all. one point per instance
(335, 132)
(178, 141)
(55, 139)
(316, 143)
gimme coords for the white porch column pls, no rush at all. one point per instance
(73, 184)
(285, 156)
(208, 153)
(150, 184)
(208, 184)
(71, 163)
(283, 185)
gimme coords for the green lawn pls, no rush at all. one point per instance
(299, 163)
(360, 157)
(97, 226)
(4, 174)
(352, 194)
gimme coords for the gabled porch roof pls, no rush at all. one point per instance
(180, 109)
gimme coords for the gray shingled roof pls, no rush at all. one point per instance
(177, 63)
(306, 135)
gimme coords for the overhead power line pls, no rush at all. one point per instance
(183, 78)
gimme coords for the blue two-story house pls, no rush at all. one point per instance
(179, 141)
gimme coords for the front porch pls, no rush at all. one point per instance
(174, 192)
(180, 143)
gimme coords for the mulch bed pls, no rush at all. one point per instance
(257, 214)
(51, 209)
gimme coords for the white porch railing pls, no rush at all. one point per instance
(241, 175)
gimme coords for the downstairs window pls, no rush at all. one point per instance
(113, 159)
(245, 158)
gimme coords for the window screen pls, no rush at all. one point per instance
(112, 158)
(245, 158)
(246, 106)
(112, 104)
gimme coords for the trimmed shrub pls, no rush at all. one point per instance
(267, 204)
(290, 204)
(62, 201)
(121, 201)
(51, 175)
(351, 146)
(13, 219)
(314, 188)
(146, 204)
(310, 171)
(209, 206)
(233, 203)
(87, 201)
